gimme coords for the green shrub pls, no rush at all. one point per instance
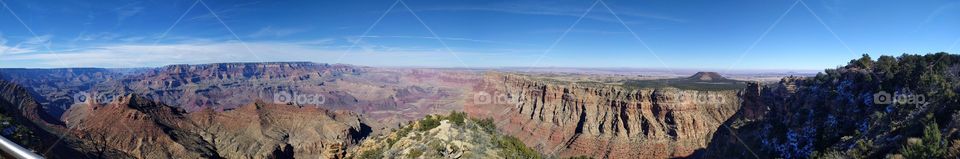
(437, 146)
(487, 124)
(457, 118)
(372, 154)
(429, 122)
(21, 134)
(414, 153)
(391, 141)
(432, 121)
(930, 146)
(831, 154)
(514, 148)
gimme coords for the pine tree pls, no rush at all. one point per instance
(930, 146)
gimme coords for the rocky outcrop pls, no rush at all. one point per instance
(267, 131)
(439, 136)
(567, 119)
(16, 103)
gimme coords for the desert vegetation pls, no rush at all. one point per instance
(18, 133)
(888, 107)
(452, 135)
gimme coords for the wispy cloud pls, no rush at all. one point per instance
(324, 41)
(132, 39)
(270, 31)
(559, 10)
(96, 36)
(4, 49)
(147, 55)
(29, 45)
(367, 47)
(138, 55)
(433, 38)
(588, 31)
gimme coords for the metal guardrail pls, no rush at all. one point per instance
(13, 150)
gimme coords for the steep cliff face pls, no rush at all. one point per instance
(564, 120)
(22, 105)
(17, 104)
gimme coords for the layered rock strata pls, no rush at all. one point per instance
(569, 119)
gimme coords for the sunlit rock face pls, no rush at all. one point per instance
(605, 121)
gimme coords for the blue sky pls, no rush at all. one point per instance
(697, 34)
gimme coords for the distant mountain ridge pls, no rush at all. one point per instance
(182, 85)
(707, 76)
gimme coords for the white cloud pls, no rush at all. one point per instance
(96, 36)
(539, 8)
(133, 39)
(325, 41)
(38, 40)
(430, 37)
(4, 49)
(146, 55)
(26, 46)
(269, 31)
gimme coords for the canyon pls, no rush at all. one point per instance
(231, 110)
(135, 127)
(389, 95)
(224, 110)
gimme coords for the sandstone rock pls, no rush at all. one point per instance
(141, 128)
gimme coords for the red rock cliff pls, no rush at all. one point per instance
(603, 121)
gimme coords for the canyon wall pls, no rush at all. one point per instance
(568, 119)
(389, 95)
(132, 126)
(135, 127)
